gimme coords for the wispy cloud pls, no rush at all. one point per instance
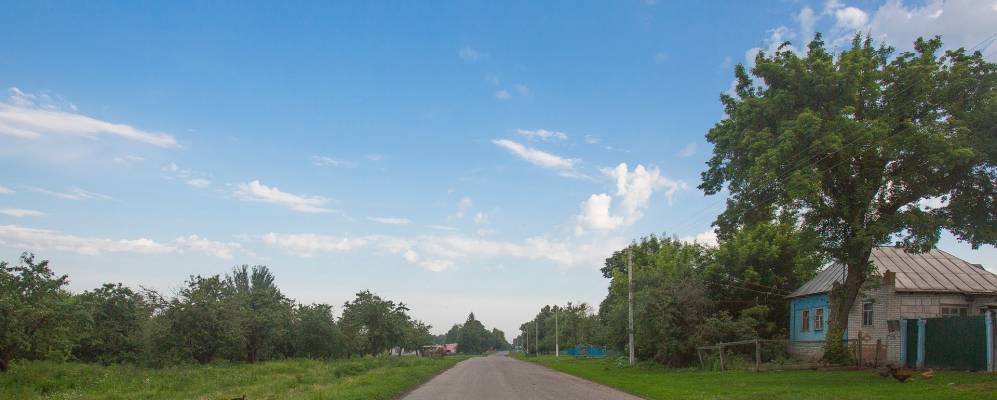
(390, 220)
(73, 194)
(30, 116)
(688, 150)
(564, 166)
(49, 240)
(258, 192)
(324, 161)
(468, 53)
(443, 227)
(542, 134)
(191, 178)
(503, 94)
(20, 212)
(5, 190)
(128, 159)
(706, 238)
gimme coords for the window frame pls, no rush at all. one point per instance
(818, 319)
(805, 318)
(868, 314)
(954, 310)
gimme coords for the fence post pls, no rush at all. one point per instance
(875, 364)
(860, 348)
(700, 355)
(758, 355)
(720, 349)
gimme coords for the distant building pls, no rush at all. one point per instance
(448, 348)
(911, 286)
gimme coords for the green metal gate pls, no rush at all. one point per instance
(910, 344)
(955, 342)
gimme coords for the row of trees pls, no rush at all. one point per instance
(241, 316)
(473, 338)
(687, 295)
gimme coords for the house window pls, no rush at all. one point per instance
(955, 311)
(867, 313)
(805, 317)
(819, 319)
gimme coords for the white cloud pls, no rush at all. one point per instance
(480, 218)
(128, 159)
(503, 94)
(443, 227)
(590, 139)
(523, 90)
(310, 244)
(467, 53)
(323, 161)
(633, 190)
(390, 220)
(541, 134)
(20, 212)
(73, 194)
(4, 190)
(203, 245)
(595, 214)
(706, 238)
(463, 206)
(199, 183)
(195, 179)
(256, 191)
(48, 240)
(31, 117)
(439, 253)
(564, 166)
(850, 18)
(374, 157)
(688, 150)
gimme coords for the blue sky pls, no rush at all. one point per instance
(470, 156)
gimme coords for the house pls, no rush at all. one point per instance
(910, 287)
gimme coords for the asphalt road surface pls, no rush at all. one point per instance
(500, 377)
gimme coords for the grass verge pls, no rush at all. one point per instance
(655, 382)
(370, 378)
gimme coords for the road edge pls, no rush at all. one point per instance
(424, 382)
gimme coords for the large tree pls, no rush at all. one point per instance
(862, 148)
(265, 313)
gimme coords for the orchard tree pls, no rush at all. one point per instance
(862, 148)
(265, 313)
(38, 317)
(115, 317)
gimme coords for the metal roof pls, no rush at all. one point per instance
(934, 271)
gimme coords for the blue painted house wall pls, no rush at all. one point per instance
(811, 303)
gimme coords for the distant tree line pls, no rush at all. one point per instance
(473, 338)
(687, 295)
(241, 316)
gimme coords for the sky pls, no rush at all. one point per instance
(462, 157)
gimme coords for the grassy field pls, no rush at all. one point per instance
(372, 378)
(654, 382)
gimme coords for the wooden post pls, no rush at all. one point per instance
(700, 355)
(758, 354)
(720, 349)
(859, 357)
(879, 343)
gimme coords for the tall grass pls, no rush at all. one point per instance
(368, 378)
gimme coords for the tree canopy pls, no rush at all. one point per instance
(862, 149)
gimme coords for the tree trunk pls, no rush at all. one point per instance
(3, 364)
(842, 299)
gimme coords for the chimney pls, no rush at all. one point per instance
(889, 278)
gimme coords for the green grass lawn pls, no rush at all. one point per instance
(653, 382)
(371, 378)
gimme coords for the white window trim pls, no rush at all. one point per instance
(805, 320)
(819, 326)
(872, 313)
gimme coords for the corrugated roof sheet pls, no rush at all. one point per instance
(934, 271)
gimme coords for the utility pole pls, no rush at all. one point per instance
(557, 343)
(536, 343)
(630, 301)
(526, 340)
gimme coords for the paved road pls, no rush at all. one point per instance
(500, 377)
